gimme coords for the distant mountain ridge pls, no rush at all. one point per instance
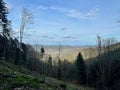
(66, 52)
(70, 52)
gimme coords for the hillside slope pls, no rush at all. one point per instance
(66, 52)
(70, 52)
(15, 78)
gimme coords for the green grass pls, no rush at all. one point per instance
(12, 77)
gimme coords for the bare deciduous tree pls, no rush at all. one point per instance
(104, 47)
(26, 20)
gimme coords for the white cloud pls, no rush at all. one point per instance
(60, 9)
(67, 36)
(42, 7)
(71, 37)
(73, 13)
(92, 12)
(63, 29)
(82, 15)
(76, 14)
(47, 36)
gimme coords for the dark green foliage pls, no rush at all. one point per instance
(59, 72)
(23, 55)
(105, 73)
(71, 75)
(81, 69)
(93, 72)
(5, 25)
(2, 46)
(4, 22)
(42, 51)
(64, 69)
(49, 66)
(33, 62)
(16, 59)
(12, 50)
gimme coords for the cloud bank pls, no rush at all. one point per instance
(73, 13)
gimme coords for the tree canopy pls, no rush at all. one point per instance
(81, 69)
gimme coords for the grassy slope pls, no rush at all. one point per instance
(16, 78)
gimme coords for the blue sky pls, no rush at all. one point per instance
(69, 22)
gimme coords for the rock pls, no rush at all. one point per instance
(63, 86)
(6, 75)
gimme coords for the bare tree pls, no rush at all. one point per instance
(59, 50)
(104, 47)
(26, 20)
(99, 41)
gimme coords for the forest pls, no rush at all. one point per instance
(101, 72)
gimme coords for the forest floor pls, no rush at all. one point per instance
(15, 78)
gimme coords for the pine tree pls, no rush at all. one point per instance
(59, 72)
(50, 68)
(42, 51)
(5, 25)
(4, 22)
(80, 69)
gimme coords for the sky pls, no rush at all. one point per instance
(66, 22)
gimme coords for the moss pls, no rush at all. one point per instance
(35, 83)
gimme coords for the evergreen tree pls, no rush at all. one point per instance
(64, 69)
(80, 69)
(59, 72)
(5, 25)
(50, 68)
(4, 22)
(42, 51)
